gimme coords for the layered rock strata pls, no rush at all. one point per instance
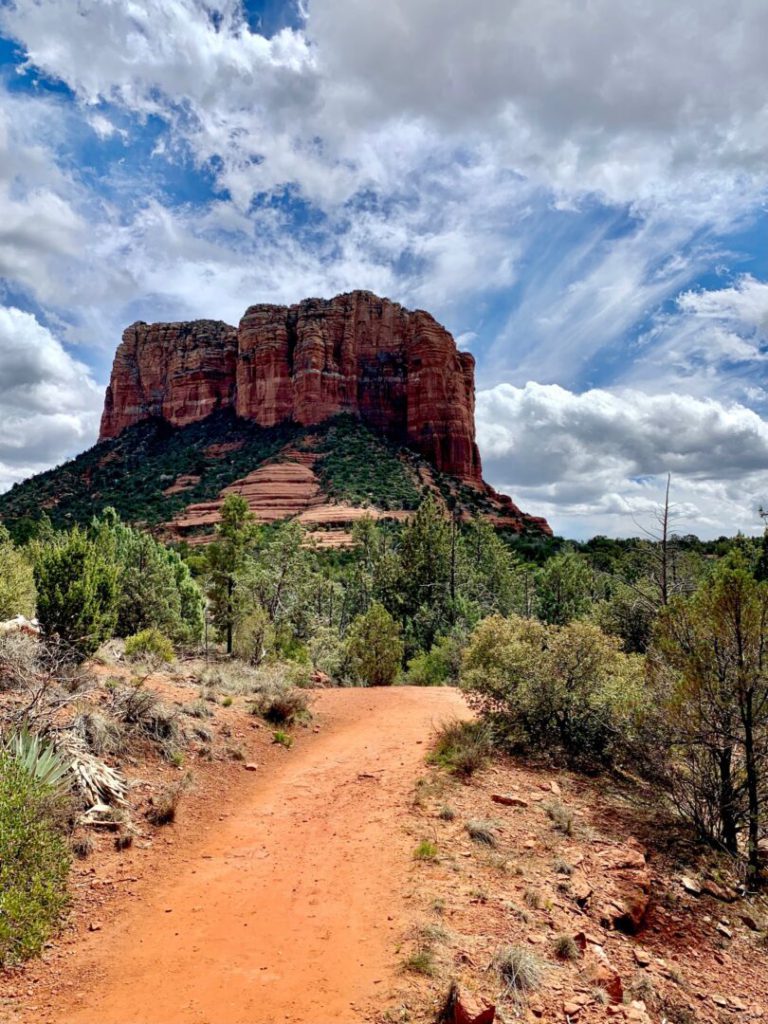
(399, 371)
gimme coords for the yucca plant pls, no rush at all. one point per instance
(38, 759)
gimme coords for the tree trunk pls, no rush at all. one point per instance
(727, 816)
(750, 765)
(230, 589)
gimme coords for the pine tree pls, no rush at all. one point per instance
(374, 647)
(226, 556)
(78, 590)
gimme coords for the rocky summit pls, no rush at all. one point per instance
(323, 412)
(399, 371)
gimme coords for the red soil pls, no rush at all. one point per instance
(288, 909)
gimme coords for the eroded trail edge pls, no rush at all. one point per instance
(291, 911)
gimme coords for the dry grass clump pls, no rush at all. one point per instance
(281, 706)
(19, 659)
(521, 970)
(560, 816)
(165, 803)
(144, 714)
(462, 747)
(565, 947)
(82, 845)
(482, 832)
(102, 733)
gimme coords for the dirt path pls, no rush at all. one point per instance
(292, 910)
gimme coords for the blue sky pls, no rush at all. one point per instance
(577, 192)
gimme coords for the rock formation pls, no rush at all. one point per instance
(398, 370)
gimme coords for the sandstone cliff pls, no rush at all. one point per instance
(398, 370)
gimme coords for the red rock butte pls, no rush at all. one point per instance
(398, 370)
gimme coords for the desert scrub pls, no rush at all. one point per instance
(282, 707)
(164, 805)
(482, 832)
(282, 739)
(566, 948)
(461, 747)
(149, 646)
(561, 817)
(520, 969)
(34, 861)
(421, 961)
(426, 850)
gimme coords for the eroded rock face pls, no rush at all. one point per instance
(180, 372)
(398, 370)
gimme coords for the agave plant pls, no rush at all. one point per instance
(39, 759)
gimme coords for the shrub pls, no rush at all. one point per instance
(566, 948)
(34, 862)
(481, 832)
(561, 689)
(520, 969)
(462, 747)
(17, 581)
(149, 646)
(374, 647)
(426, 850)
(282, 739)
(438, 666)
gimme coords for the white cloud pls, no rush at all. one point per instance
(597, 461)
(433, 139)
(715, 340)
(49, 403)
(627, 100)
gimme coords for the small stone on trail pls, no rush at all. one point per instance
(94, 926)
(690, 886)
(251, 767)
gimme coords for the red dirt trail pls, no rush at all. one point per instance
(290, 911)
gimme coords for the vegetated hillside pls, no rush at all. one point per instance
(136, 472)
(151, 472)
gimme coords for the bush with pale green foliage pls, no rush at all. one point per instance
(34, 858)
(567, 690)
(439, 666)
(17, 581)
(149, 646)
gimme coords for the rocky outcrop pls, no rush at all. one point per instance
(400, 371)
(179, 372)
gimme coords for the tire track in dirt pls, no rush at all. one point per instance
(292, 910)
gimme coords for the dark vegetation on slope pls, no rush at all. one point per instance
(131, 472)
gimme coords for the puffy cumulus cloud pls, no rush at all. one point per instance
(597, 461)
(49, 403)
(624, 99)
